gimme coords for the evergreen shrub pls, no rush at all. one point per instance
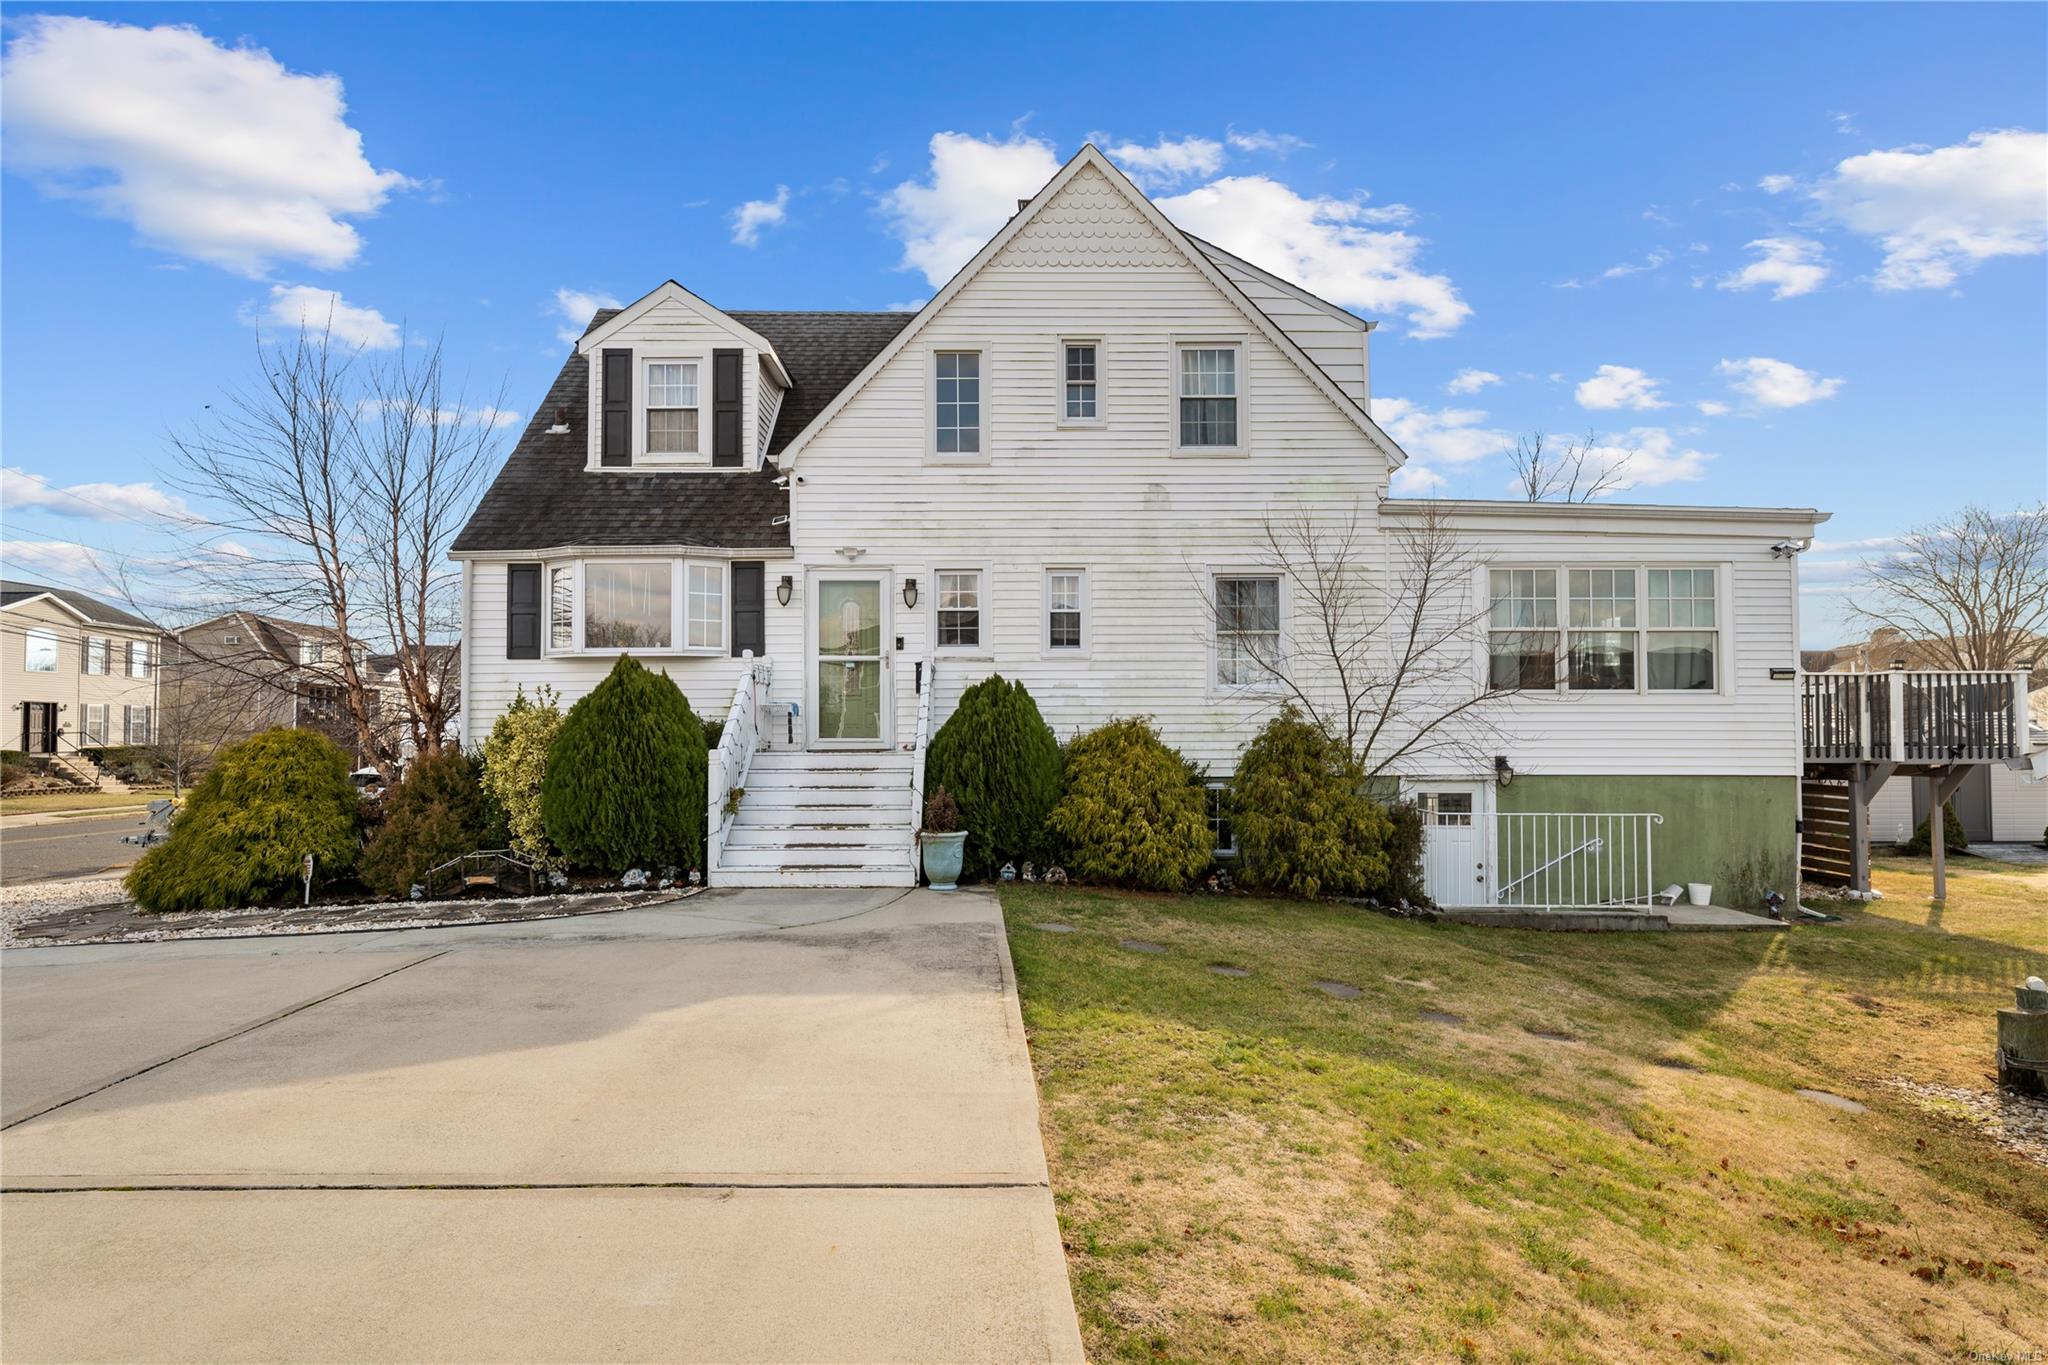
(1305, 826)
(998, 758)
(437, 812)
(1953, 838)
(625, 781)
(514, 765)
(1132, 813)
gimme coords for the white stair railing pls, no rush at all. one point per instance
(1557, 860)
(927, 673)
(734, 756)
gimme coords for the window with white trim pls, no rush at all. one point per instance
(1247, 629)
(627, 605)
(1207, 387)
(39, 651)
(135, 724)
(956, 392)
(1066, 609)
(1634, 628)
(672, 410)
(959, 609)
(1080, 362)
(1217, 807)
(704, 588)
(95, 723)
(562, 607)
(98, 655)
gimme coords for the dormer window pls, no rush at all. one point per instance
(672, 415)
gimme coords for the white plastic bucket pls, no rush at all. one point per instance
(1699, 893)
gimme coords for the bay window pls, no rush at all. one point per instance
(641, 606)
(626, 606)
(562, 607)
(1632, 629)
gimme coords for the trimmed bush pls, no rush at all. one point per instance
(1404, 856)
(515, 763)
(1304, 824)
(1953, 838)
(625, 783)
(245, 830)
(998, 758)
(1131, 814)
(436, 813)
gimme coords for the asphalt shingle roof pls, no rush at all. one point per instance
(12, 592)
(545, 497)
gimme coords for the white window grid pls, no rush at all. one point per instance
(1248, 639)
(1637, 628)
(957, 403)
(672, 407)
(1081, 376)
(958, 609)
(1066, 610)
(1207, 393)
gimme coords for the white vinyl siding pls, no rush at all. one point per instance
(1335, 340)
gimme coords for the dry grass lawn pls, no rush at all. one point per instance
(97, 802)
(1251, 1169)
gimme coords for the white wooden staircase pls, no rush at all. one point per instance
(821, 819)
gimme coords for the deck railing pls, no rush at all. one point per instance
(926, 671)
(1914, 716)
(734, 756)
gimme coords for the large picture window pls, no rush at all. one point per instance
(626, 606)
(1247, 629)
(40, 651)
(1630, 629)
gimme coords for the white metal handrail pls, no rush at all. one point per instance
(927, 670)
(730, 762)
(1554, 860)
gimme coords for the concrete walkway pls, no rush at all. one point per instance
(753, 1126)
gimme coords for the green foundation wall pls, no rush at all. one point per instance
(1734, 832)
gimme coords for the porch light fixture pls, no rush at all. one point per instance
(784, 589)
(909, 593)
(1503, 771)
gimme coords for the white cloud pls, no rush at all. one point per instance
(215, 153)
(305, 307)
(1655, 260)
(575, 307)
(1857, 546)
(906, 305)
(1645, 457)
(1167, 162)
(1777, 184)
(1710, 407)
(495, 418)
(68, 564)
(749, 218)
(1435, 438)
(1787, 266)
(20, 490)
(972, 190)
(1471, 381)
(1259, 140)
(1325, 246)
(1940, 212)
(1775, 383)
(1619, 386)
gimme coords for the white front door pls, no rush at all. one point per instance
(1454, 827)
(852, 702)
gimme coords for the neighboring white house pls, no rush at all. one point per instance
(1054, 471)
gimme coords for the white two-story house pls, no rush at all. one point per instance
(1065, 468)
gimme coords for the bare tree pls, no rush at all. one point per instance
(1970, 590)
(1381, 662)
(1574, 470)
(340, 484)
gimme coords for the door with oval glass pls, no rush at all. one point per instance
(1454, 833)
(852, 706)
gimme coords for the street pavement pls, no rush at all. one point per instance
(37, 850)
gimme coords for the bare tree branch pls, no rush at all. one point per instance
(1967, 592)
(1574, 471)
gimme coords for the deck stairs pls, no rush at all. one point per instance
(821, 819)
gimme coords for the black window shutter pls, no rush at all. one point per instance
(749, 620)
(618, 408)
(725, 407)
(522, 611)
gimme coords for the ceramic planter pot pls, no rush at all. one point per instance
(942, 854)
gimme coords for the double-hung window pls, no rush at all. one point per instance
(1683, 639)
(97, 652)
(40, 651)
(135, 724)
(959, 609)
(627, 605)
(705, 593)
(1521, 641)
(1079, 362)
(956, 413)
(1066, 609)
(1603, 630)
(1206, 379)
(95, 722)
(138, 661)
(671, 407)
(1222, 838)
(562, 607)
(1247, 629)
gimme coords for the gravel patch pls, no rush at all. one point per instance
(2018, 1123)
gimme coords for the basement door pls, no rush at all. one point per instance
(1454, 831)
(852, 703)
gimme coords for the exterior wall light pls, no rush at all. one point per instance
(909, 592)
(1503, 771)
(784, 589)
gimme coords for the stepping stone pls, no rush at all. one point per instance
(1055, 928)
(1841, 1102)
(1550, 1035)
(1221, 970)
(1138, 945)
(1442, 1017)
(1339, 989)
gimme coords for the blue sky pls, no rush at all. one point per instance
(1788, 255)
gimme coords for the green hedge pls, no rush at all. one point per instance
(436, 813)
(625, 782)
(247, 827)
(1305, 826)
(998, 758)
(1133, 810)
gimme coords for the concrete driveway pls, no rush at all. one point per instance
(755, 1126)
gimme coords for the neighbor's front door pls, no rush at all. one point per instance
(39, 727)
(851, 702)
